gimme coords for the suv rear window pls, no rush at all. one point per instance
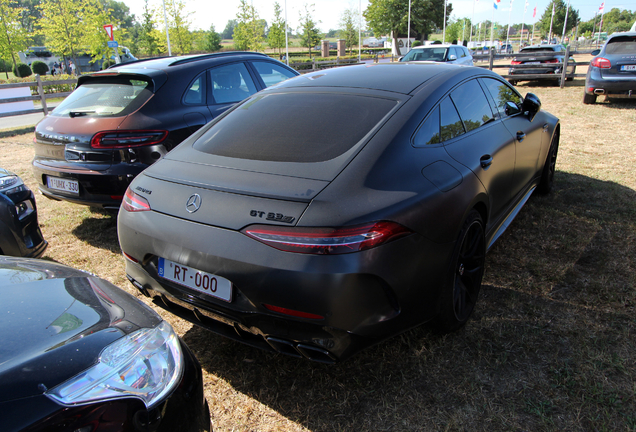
(621, 45)
(105, 97)
(294, 127)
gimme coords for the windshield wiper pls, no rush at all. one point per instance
(73, 114)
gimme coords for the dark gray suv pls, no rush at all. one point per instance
(119, 121)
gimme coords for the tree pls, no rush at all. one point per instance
(390, 17)
(248, 33)
(178, 27)
(559, 18)
(309, 35)
(147, 41)
(212, 41)
(12, 35)
(276, 35)
(349, 30)
(229, 29)
(72, 26)
(30, 18)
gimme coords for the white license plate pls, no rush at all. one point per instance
(628, 68)
(64, 185)
(532, 63)
(198, 280)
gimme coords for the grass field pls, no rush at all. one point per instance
(551, 345)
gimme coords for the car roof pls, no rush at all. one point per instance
(625, 33)
(166, 62)
(435, 46)
(392, 77)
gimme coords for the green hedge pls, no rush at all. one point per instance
(22, 70)
(39, 67)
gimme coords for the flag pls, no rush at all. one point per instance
(534, 14)
(601, 7)
(495, 3)
(525, 7)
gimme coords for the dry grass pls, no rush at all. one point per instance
(550, 347)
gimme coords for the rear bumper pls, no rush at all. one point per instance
(360, 298)
(614, 88)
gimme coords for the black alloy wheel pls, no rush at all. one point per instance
(467, 270)
(549, 168)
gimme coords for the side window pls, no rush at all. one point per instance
(231, 83)
(428, 132)
(195, 95)
(450, 124)
(501, 93)
(472, 105)
(271, 73)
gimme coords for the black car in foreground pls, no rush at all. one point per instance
(612, 72)
(318, 238)
(541, 60)
(20, 233)
(79, 354)
(121, 120)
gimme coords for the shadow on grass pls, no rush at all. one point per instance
(99, 231)
(550, 346)
(6, 133)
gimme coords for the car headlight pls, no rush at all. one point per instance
(8, 182)
(146, 364)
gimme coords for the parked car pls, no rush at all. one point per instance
(541, 59)
(506, 49)
(79, 354)
(119, 121)
(321, 240)
(20, 233)
(455, 54)
(612, 71)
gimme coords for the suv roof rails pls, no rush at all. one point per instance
(189, 59)
(137, 61)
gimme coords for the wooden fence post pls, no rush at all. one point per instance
(566, 60)
(491, 55)
(41, 93)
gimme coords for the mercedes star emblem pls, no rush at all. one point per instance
(194, 203)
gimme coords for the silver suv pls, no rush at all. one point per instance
(455, 54)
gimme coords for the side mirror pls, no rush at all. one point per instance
(511, 108)
(596, 52)
(532, 105)
(452, 57)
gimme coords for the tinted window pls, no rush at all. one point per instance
(103, 97)
(271, 73)
(195, 95)
(429, 131)
(621, 45)
(501, 93)
(451, 124)
(472, 105)
(294, 127)
(231, 83)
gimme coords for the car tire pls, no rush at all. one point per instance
(589, 99)
(459, 296)
(549, 167)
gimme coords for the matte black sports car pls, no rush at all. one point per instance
(20, 233)
(119, 121)
(612, 72)
(541, 59)
(339, 208)
(79, 354)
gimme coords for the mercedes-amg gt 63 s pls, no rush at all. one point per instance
(340, 207)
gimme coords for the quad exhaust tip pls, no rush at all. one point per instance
(301, 350)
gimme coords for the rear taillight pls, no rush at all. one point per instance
(292, 312)
(134, 203)
(127, 139)
(601, 62)
(552, 61)
(515, 62)
(327, 241)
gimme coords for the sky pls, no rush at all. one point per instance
(329, 12)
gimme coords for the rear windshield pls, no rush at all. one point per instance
(294, 127)
(426, 54)
(539, 49)
(104, 97)
(621, 45)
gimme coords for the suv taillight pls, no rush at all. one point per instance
(127, 138)
(601, 62)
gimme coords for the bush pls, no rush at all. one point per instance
(22, 70)
(4, 66)
(416, 43)
(107, 64)
(39, 67)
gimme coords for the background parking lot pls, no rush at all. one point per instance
(550, 347)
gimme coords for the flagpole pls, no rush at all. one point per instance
(565, 23)
(286, 37)
(509, 15)
(525, 7)
(551, 19)
(600, 26)
(471, 22)
(534, 21)
(444, 31)
(492, 24)
(408, 33)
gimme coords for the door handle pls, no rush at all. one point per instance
(485, 161)
(520, 136)
(545, 127)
